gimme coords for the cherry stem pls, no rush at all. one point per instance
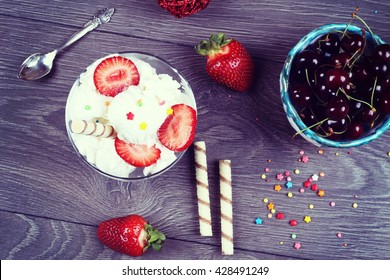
(309, 127)
(373, 92)
(348, 25)
(369, 29)
(357, 57)
(307, 76)
(353, 98)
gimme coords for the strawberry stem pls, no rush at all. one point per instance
(213, 45)
(155, 238)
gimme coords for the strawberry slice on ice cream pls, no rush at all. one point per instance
(178, 130)
(138, 155)
(114, 74)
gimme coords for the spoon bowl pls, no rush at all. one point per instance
(36, 66)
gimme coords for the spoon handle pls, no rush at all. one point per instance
(103, 16)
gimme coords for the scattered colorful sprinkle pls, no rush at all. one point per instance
(169, 111)
(320, 151)
(139, 102)
(130, 116)
(296, 171)
(306, 184)
(87, 107)
(271, 206)
(288, 179)
(277, 188)
(267, 169)
(332, 204)
(143, 125)
(263, 176)
(322, 174)
(388, 154)
(273, 211)
(280, 216)
(289, 185)
(287, 173)
(307, 219)
(354, 205)
(279, 177)
(297, 245)
(305, 159)
(265, 200)
(311, 206)
(269, 216)
(315, 177)
(321, 193)
(301, 152)
(293, 223)
(339, 235)
(301, 190)
(258, 221)
(293, 236)
(314, 187)
(345, 244)
(289, 194)
(107, 103)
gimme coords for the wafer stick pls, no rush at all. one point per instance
(92, 128)
(225, 181)
(202, 189)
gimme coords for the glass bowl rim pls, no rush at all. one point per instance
(179, 155)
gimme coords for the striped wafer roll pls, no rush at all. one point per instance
(225, 182)
(202, 189)
(92, 128)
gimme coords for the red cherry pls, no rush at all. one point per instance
(337, 107)
(352, 43)
(383, 102)
(382, 52)
(354, 131)
(340, 58)
(337, 77)
(330, 43)
(301, 95)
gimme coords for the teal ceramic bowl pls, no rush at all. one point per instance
(293, 116)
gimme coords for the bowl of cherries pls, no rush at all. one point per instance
(335, 86)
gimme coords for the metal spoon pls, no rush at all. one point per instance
(39, 65)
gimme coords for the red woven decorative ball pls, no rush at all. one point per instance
(181, 8)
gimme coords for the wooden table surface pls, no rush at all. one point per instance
(51, 202)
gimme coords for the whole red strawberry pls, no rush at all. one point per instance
(130, 235)
(228, 62)
(181, 8)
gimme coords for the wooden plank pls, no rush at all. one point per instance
(268, 28)
(32, 238)
(42, 176)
